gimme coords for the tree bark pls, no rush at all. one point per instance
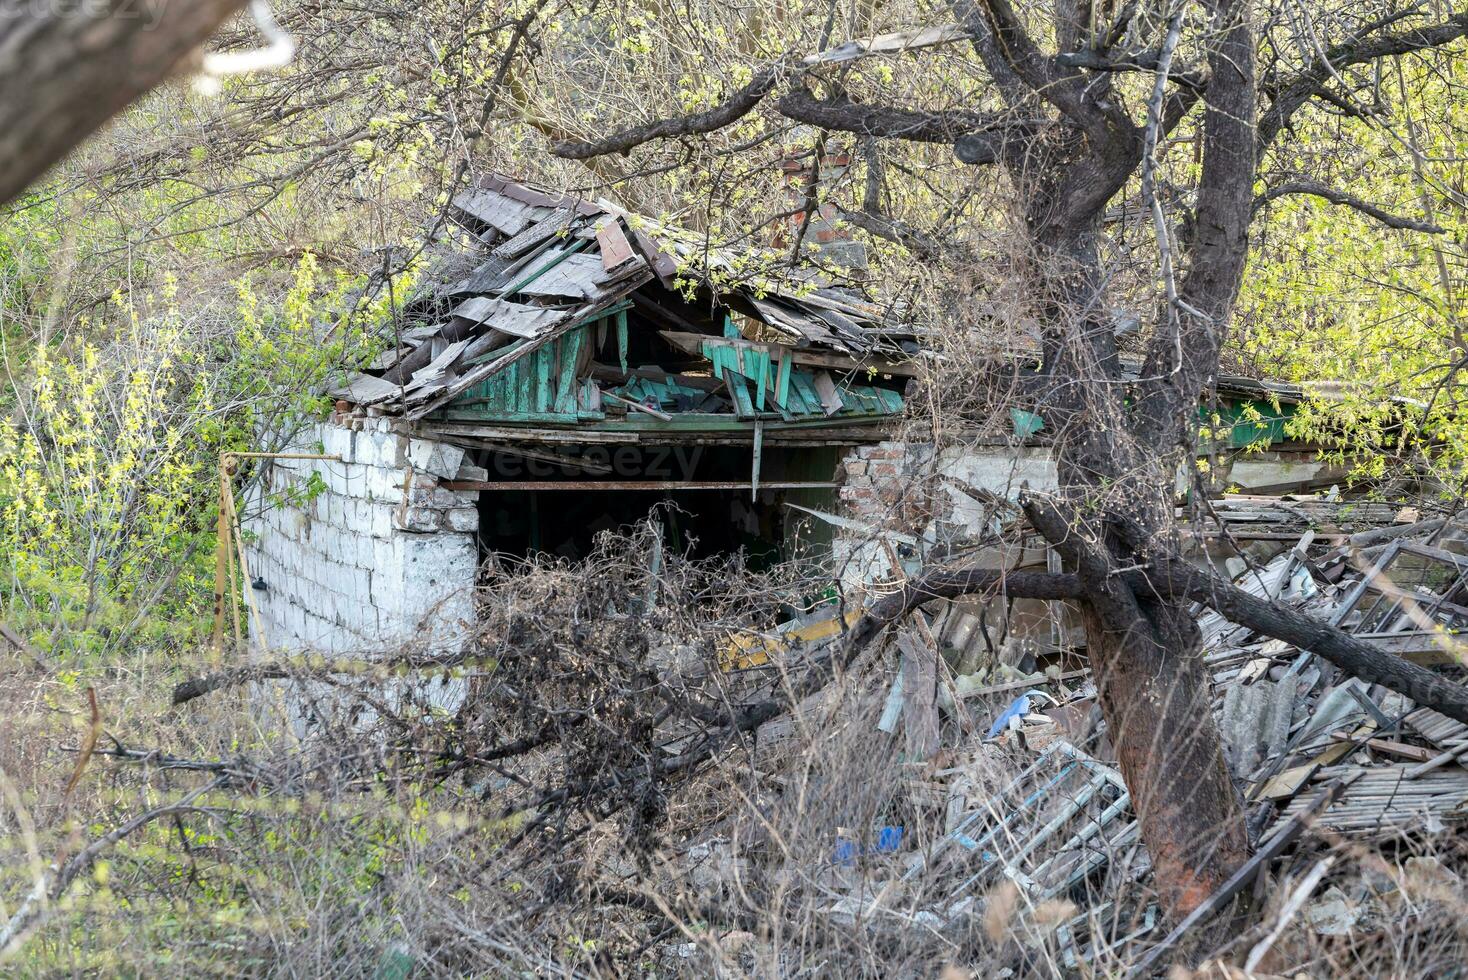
(66, 69)
(1177, 580)
(1155, 697)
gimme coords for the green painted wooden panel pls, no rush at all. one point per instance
(622, 338)
(805, 388)
(739, 391)
(782, 382)
(568, 355)
(540, 386)
(1250, 423)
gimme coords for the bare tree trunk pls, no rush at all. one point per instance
(67, 68)
(1114, 508)
(1144, 651)
(1154, 695)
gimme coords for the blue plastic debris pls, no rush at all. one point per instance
(1015, 713)
(889, 840)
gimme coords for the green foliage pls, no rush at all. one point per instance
(1369, 319)
(108, 493)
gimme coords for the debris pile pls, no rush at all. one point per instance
(1009, 782)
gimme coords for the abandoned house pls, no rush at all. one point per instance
(571, 365)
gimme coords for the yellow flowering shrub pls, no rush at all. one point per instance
(108, 493)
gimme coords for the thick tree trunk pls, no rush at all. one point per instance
(67, 68)
(1154, 695)
(1117, 459)
(1144, 650)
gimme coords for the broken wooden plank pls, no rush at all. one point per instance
(1401, 750)
(515, 319)
(638, 406)
(738, 387)
(919, 696)
(504, 215)
(533, 234)
(1455, 751)
(615, 248)
(364, 389)
(831, 401)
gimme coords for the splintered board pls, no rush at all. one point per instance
(542, 386)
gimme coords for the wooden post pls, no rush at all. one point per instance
(226, 541)
(221, 559)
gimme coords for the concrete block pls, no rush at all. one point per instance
(338, 441)
(431, 573)
(392, 626)
(438, 458)
(335, 477)
(442, 498)
(418, 519)
(334, 514)
(380, 483)
(381, 449)
(380, 519)
(462, 519)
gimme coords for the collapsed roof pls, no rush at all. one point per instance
(568, 313)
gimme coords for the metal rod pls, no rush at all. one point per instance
(282, 456)
(221, 560)
(472, 485)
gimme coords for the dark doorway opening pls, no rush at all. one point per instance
(555, 500)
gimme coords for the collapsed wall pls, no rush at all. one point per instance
(922, 497)
(365, 551)
(904, 502)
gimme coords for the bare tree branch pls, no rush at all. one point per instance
(1325, 192)
(1146, 62)
(52, 886)
(841, 113)
(903, 233)
(1178, 580)
(1045, 76)
(79, 65)
(1293, 92)
(735, 108)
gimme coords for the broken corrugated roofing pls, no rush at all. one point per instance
(547, 264)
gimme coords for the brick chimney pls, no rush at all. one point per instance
(825, 239)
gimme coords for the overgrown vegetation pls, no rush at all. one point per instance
(198, 274)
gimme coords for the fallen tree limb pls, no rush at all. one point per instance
(1176, 579)
(308, 668)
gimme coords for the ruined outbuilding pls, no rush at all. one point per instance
(568, 366)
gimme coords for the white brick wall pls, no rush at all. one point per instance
(892, 485)
(353, 570)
